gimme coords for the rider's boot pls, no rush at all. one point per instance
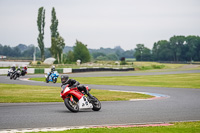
(48, 75)
(90, 96)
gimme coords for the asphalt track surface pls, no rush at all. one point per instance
(181, 104)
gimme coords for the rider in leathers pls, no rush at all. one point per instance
(13, 68)
(52, 71)
(73, 83)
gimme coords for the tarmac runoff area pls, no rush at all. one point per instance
(183, 97)
(156, 96)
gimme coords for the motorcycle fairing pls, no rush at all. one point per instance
(83, 103)
(73, 92)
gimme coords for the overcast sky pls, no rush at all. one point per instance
(100, 23)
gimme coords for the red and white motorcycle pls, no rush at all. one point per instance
(75, 100)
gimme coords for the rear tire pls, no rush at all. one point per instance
(73, 107)
(96, 105)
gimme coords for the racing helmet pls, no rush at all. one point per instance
(64, 79)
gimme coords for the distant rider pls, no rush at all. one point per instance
(18, 68)
(73, 83)
(13, 67)
(25, 68)
(11, 70)
(52, 71)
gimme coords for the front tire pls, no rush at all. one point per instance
(15, 77)
(96, 104)
(54, 80)
(72, 106)
(47, 80)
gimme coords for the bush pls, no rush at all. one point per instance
(55, 62)
(59, 70)
(38, 63)
(39, 71)
(151, 67)
(145, 67)
(123, 63)
(158, 66)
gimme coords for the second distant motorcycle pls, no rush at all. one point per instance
(52, 77)
(16, 74)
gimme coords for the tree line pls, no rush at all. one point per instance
(70, 54)
(178, 48)
(23, 51)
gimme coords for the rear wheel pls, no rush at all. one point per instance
(71, 105)
(23, 73)
(96, 104)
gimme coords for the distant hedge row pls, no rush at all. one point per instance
(60, 70)
(41, 70)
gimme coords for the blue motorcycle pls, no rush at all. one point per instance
(52, 77)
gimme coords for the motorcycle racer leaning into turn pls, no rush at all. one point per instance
(73, 83)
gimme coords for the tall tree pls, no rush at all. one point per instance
(138, 52)
(57, 42)
(191, 45)
(57, 48)
(54, 24)
(161, 51)
(155, 51)
(176, 44)
(41, 25)
(69, 57)
(81, 52)
(54, 32)
(142, 53)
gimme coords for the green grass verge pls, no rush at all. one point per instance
(12, 93)
(191, 80)
(178, 127)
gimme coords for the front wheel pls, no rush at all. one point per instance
(47, 80)
(54, 80)
(15, 77)
(96, 104)
(71, 105)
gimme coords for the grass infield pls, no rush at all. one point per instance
(12, 93)
(190, 80)
(178, 127)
